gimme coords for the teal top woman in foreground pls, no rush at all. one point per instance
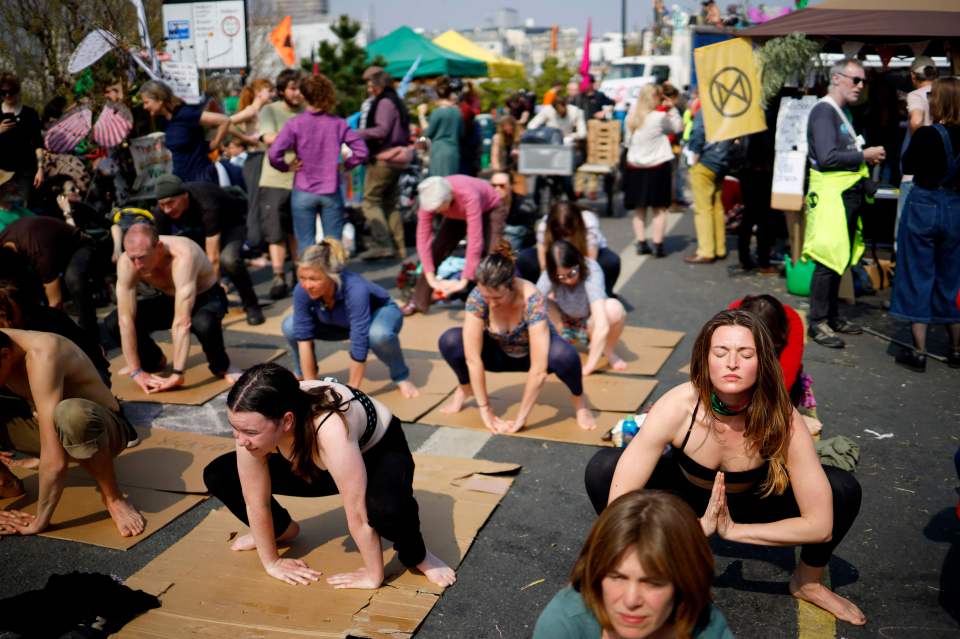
(644, 573)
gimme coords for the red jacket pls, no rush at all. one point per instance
(791, 359)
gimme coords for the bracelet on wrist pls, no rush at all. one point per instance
(177, 371)
(135, 372)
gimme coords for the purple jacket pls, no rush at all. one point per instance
(316, 139)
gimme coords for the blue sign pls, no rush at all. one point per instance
(178, 29)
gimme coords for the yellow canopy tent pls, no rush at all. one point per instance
(497, 66)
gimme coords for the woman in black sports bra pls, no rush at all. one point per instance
(311, 440)
(740, 455)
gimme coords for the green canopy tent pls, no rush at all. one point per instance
(401, 47)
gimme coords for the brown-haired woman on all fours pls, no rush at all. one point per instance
(741, 456)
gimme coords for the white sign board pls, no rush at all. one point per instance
(183, 79)
(151, 159)
(790, 162)
(211, 35)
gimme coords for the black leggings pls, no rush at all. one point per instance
(562, 359)
(745, 507)
(391, 508)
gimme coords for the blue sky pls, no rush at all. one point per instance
(463, 14)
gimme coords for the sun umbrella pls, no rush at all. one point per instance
(113, 125)
(69, 130)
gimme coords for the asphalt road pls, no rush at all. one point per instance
(900, 562)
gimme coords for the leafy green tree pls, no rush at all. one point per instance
(344, 63)
(552, 72)
(494, 92)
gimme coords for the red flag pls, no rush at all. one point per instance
(282, 39)
(585, 61)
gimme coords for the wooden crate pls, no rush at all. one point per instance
(603, 142)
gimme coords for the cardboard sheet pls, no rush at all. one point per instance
(81, 516)
(551, 421)
(200, 387)
(170, 460)
(420, 332)
(208, 591)
(433, 377)
(642, 336)
(641, 360)
(618, 393)
(236, 320)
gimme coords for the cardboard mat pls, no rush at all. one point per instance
(170, 460)
(617, 393)
(433, 377)
(200, 387)
(551, 421)
(81, 516)
(641, 360)
(236, 320)
(421, 332)
(208, 591)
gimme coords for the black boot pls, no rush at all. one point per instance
(909, 358)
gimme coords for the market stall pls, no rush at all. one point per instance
(497, 66)
(402, 47)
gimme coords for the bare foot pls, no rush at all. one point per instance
(455, 403)
(585, 419)
(436, 571)
(822, 597)
(233, 374)
(616, 363)
(246, 542)
(407, 389)
(127, 518)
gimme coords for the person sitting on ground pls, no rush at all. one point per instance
(506, 328)
(333, 304)
(644, 571)
(64, 258)
(190, 301)
(786, 329)
(740, 455)
(12, 204)
(315, 439)
(22, 306)
(75, 418)
(215, 219)
(470, 208)
(579, 307)
(580, 227)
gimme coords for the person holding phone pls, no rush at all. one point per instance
(20, 137)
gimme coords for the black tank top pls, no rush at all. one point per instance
(368, 408)
(752, 476)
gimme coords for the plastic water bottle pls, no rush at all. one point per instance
(349, 238)
(628, 431)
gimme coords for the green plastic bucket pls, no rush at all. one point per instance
(799, 276)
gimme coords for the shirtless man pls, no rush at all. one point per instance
(76, 418)
(192, 301)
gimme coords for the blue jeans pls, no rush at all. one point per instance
(304, 208)
(385, 325)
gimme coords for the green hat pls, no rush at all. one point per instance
(169, 186)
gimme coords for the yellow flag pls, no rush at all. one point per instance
(729, 90)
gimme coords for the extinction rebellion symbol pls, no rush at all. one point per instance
(730, 92)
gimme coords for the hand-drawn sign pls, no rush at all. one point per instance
(731, 92)
(230, 26)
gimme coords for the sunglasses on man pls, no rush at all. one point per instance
(854, 78)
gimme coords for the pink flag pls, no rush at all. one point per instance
(585, 62)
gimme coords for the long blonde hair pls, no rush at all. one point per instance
(647, 101)
(770, 413)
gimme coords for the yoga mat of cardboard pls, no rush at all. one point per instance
(554, 421)
(433, 377)
(170, 460)
(236, 319)
(618, 393)
(80, 515)
(643, 336)
(200, 387)
(641, 360)
(421, 332)
(208, 591)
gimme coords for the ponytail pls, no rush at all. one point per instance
(327, 256)
(497, 269)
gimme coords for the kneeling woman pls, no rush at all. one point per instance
(311, 440)
(506, 329)
(644, 572)
(332, 304)
(578, 304)
(741, 456)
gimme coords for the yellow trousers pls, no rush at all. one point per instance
(708, 212)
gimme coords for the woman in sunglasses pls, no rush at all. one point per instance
(578, 305)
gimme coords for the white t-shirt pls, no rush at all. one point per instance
(918, 100)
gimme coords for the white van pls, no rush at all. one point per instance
(627, 75)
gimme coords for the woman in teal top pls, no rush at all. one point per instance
(644, 573)
(445, 128)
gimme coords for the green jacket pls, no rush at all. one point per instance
(825, 239)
